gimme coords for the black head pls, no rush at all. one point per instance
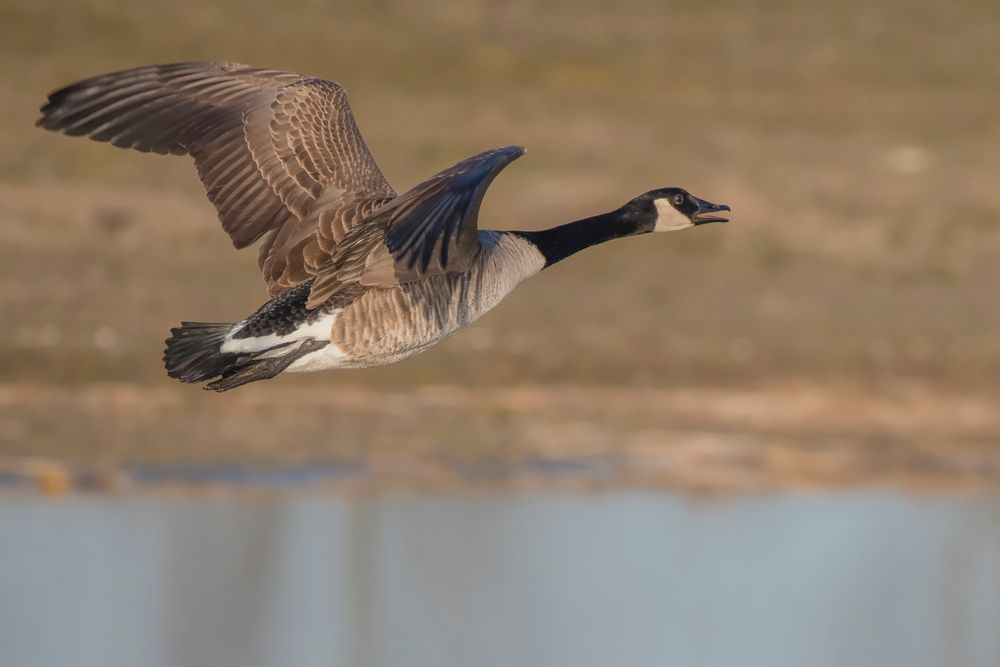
(663, 210)
(672, 209)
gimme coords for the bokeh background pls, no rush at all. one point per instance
(772, 442)
(844, 327)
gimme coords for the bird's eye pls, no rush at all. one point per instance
(678, 200)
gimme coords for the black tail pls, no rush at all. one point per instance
(193, 351)
(194, 354)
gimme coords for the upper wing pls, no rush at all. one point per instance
(429, 230)
(278, 153)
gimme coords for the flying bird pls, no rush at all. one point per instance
(357, 275)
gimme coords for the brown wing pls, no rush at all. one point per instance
(429, 230)
(279, 154)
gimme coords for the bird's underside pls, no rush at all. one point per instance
(356, 274)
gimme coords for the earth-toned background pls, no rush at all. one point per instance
(844, 328)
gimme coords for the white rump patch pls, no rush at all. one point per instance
(328, 357)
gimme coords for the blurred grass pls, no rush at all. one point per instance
(855, 141)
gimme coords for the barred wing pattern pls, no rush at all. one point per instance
(279, 154)
(427, 231)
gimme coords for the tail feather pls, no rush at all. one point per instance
(194, 353)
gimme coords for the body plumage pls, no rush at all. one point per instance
(358, 275)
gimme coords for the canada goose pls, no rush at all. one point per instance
(357, 275)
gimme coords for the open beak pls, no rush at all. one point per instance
(707, 212)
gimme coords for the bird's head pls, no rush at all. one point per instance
(672, 209)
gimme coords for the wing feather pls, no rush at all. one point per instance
(429, 230)
(273, 149)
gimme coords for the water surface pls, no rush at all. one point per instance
(484, 579)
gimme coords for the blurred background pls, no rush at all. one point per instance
(806, 369)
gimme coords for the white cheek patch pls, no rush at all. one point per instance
(668, 218)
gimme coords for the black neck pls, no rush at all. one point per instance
(560, 242)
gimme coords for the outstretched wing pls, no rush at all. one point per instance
(429, 230)
(279, 154)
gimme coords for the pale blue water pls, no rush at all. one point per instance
(488, 579)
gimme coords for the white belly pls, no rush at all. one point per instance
(330, 356)
(327, 358)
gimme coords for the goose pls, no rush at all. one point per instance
(357, 276)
